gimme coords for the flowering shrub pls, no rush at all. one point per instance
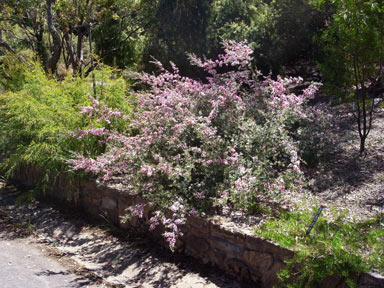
(200, 146)
(309, 126)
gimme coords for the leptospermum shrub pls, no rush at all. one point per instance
(199, 147)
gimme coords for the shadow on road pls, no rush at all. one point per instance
(123, 260)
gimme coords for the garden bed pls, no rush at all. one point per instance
(211, 240)
(233, 147)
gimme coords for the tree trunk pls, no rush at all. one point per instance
(362, 145)
(79, 52)
(71, 53)
(364, 116)
(40, 46)
(57, 44)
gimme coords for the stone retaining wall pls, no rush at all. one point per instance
(239, 254)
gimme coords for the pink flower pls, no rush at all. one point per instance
(154, 222)
(138, 210)
(199, 195)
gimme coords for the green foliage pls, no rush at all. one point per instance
(353, 43)
(23, 25)
(128, 32)
(280, 31)
(116, 26)
(12, 74)
(239, 20)
(338, 247)
(37, 114)
(118, 36)
(354, 49)
(178, 27)
(293, 36)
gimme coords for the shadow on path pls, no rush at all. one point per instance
(126, 260)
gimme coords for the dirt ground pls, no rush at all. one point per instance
(348, 181)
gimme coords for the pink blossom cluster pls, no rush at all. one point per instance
(154, 221)
(103, 112)
(138, 210)
(236, 54)
(282, 100)
(171, 224)
(198, 143)
(173, 231)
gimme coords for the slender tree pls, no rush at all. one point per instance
(354, 46)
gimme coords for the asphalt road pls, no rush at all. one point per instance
(27, 265)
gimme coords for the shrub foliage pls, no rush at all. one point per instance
(37, 113)
(340, 247)
(228, 142)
